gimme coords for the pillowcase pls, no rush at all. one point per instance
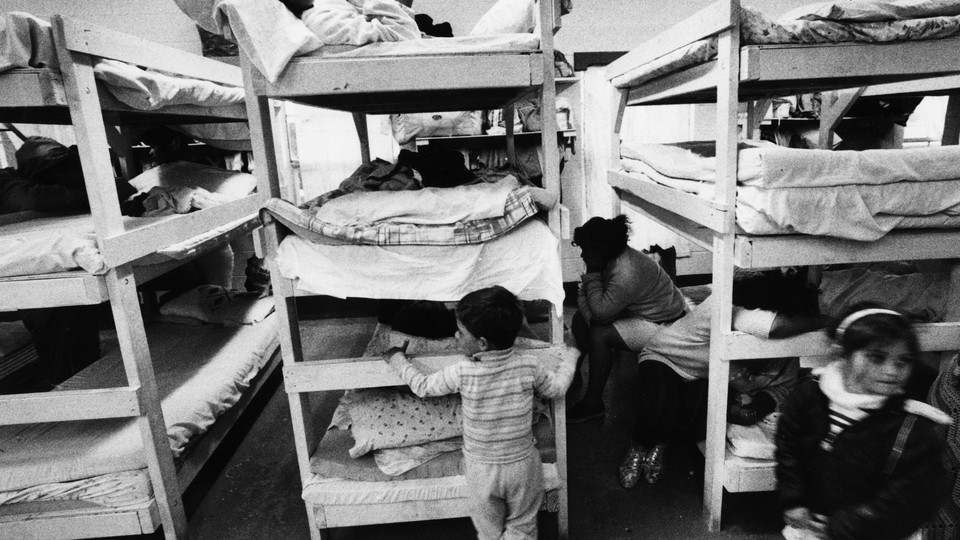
(391, 418)
(508, 17)
(215, 305)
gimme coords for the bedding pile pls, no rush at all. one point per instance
(854, 21)
(860, 195)
(271, 35)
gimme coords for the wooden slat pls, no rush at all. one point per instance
(694, 232)
(322, 375)
(696, 209)
(739, 345)
(699, 79)
(800, 250)
(83, 37)
(845, 61)
(709, 21)
(91, 522)
(69, 405)
(30, 87)
(64, 289)
(935, 85)
(148, 236)
(306, 76)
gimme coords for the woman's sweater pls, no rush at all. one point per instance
(630, 286)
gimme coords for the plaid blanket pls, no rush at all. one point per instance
(519, 207)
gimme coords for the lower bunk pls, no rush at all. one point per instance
(89, 478)
(389, 456)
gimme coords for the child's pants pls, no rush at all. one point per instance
(505, 498)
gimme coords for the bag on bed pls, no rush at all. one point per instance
(409, 127)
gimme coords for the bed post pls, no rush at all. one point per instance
(360, 121)
(833, 108)
(728, 58)
(951, 124)
(268, 181)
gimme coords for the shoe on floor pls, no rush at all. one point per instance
(652, 466)
(581, 412)
(630, 467)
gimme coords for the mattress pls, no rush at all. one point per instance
(526, 261)
(469, 214)
(28, 42)
(860, 195)
(102, 460)
(51, 244)
(864, 22)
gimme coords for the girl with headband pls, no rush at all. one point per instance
(855, 458)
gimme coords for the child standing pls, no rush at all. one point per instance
(497, 385)
(855, 458)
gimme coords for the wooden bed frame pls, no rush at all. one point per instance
(73, 97)
(752, 74)
(393, 85)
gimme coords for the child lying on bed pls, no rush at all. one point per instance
(497, 385)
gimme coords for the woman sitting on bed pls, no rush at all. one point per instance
(624, 299)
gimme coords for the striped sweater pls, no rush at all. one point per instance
(497, 389)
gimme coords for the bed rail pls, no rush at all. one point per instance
(710, 21)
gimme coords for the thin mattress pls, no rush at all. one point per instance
(860, 195)
(101, 461)
(865, 22)
(526, 261)
(29, 43)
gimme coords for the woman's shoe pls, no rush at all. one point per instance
(630, 466)
(653, 464)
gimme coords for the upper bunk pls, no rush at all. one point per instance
(777, 223)
(808, 51)
(404, 73)
(100, 77)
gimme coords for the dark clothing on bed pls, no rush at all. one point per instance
(848, 484)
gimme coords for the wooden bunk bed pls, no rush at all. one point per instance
(742, 72)
(72, 96)
(393, 84)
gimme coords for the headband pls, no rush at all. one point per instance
(857, 315)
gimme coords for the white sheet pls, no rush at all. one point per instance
(525, 261)
(495, 43)
(195, 389)
(342, 22)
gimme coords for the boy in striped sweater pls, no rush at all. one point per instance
(497, 385)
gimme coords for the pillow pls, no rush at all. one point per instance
(508, 17)
(391, 418)
(408, 127)
(215, 305)
(193, 175)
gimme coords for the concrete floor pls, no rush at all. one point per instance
(251, 488)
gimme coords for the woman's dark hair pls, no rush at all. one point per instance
(608, 236)
(861, 332)
(493, 313)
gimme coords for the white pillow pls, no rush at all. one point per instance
(215, 305)
(508, 17)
